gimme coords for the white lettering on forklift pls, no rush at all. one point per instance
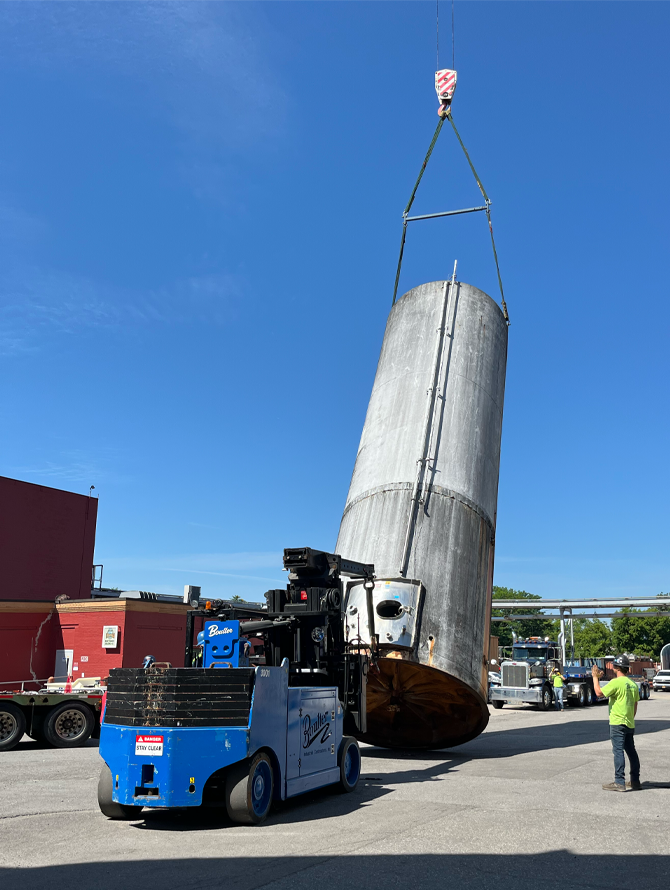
(217, 631)
(265, 673)
(149, 745)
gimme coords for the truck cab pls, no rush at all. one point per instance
(525, 677)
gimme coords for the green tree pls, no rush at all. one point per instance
(635, 632)
(237, 599)
(532, 627)
(593, 638)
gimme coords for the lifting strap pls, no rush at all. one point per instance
(411, 201)
(484, 195)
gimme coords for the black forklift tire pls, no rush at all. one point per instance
(349, 762)
(69, 725)
(109, 807)
(497, 703)
(547, 698)
(250, 789)
(12, 725)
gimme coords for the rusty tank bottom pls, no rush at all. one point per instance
(411, 705)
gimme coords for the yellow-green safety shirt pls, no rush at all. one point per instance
(621, 695)
(558, 680)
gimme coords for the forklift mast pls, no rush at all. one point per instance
(303, 623)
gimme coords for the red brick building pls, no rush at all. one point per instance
(87, 638)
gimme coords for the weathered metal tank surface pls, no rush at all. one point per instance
(422, 507)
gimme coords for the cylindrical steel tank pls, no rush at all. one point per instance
(422, 508)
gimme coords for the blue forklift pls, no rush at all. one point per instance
(244, 730)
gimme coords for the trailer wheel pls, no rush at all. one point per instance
(12, 725)
(593, 698)
(349, 761)
(547, 698)
(108, 806)
(582, 696)
(249, 790)
(69, 725)
(497, 703)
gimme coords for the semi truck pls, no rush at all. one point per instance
(241, 732)
(526, 676)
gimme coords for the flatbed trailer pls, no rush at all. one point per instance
(59, 719)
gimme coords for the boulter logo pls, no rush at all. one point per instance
(319, 728)
(215, 631)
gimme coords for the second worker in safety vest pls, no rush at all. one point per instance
(558, 682)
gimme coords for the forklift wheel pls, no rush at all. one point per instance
(497, 703)
(249, 790)
(107, 805)
(350, 764)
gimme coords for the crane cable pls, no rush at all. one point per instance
(488, 215)
(443, 117)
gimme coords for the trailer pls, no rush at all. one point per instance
(56, 718)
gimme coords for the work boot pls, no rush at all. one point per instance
(634, 785)
(614, 786)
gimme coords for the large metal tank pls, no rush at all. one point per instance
(422, 508)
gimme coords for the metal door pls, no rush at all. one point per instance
(63, 668)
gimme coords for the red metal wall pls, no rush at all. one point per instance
(47, 537)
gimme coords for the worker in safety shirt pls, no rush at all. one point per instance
(622, 695)
(196, 660)
(558, 681)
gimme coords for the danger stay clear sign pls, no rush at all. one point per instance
(149, 744)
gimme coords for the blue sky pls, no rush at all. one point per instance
(200, 210)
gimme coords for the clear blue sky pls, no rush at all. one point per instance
(199, 222)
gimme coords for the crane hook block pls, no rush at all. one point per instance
(445, 86)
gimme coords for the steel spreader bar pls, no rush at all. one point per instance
(446, 213)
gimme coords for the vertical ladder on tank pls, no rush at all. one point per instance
(435, 394)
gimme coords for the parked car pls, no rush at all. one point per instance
(662, 681)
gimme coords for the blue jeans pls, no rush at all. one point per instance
(623, 741)
(558, 697)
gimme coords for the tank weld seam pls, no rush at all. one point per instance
(432, 489)
(483, 389)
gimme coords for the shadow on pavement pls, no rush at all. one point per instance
(28, 744)
(324, 803)
(556, 870)
(524, 739)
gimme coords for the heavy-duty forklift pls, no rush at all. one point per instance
(242, 730)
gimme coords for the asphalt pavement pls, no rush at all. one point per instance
(519, 808)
